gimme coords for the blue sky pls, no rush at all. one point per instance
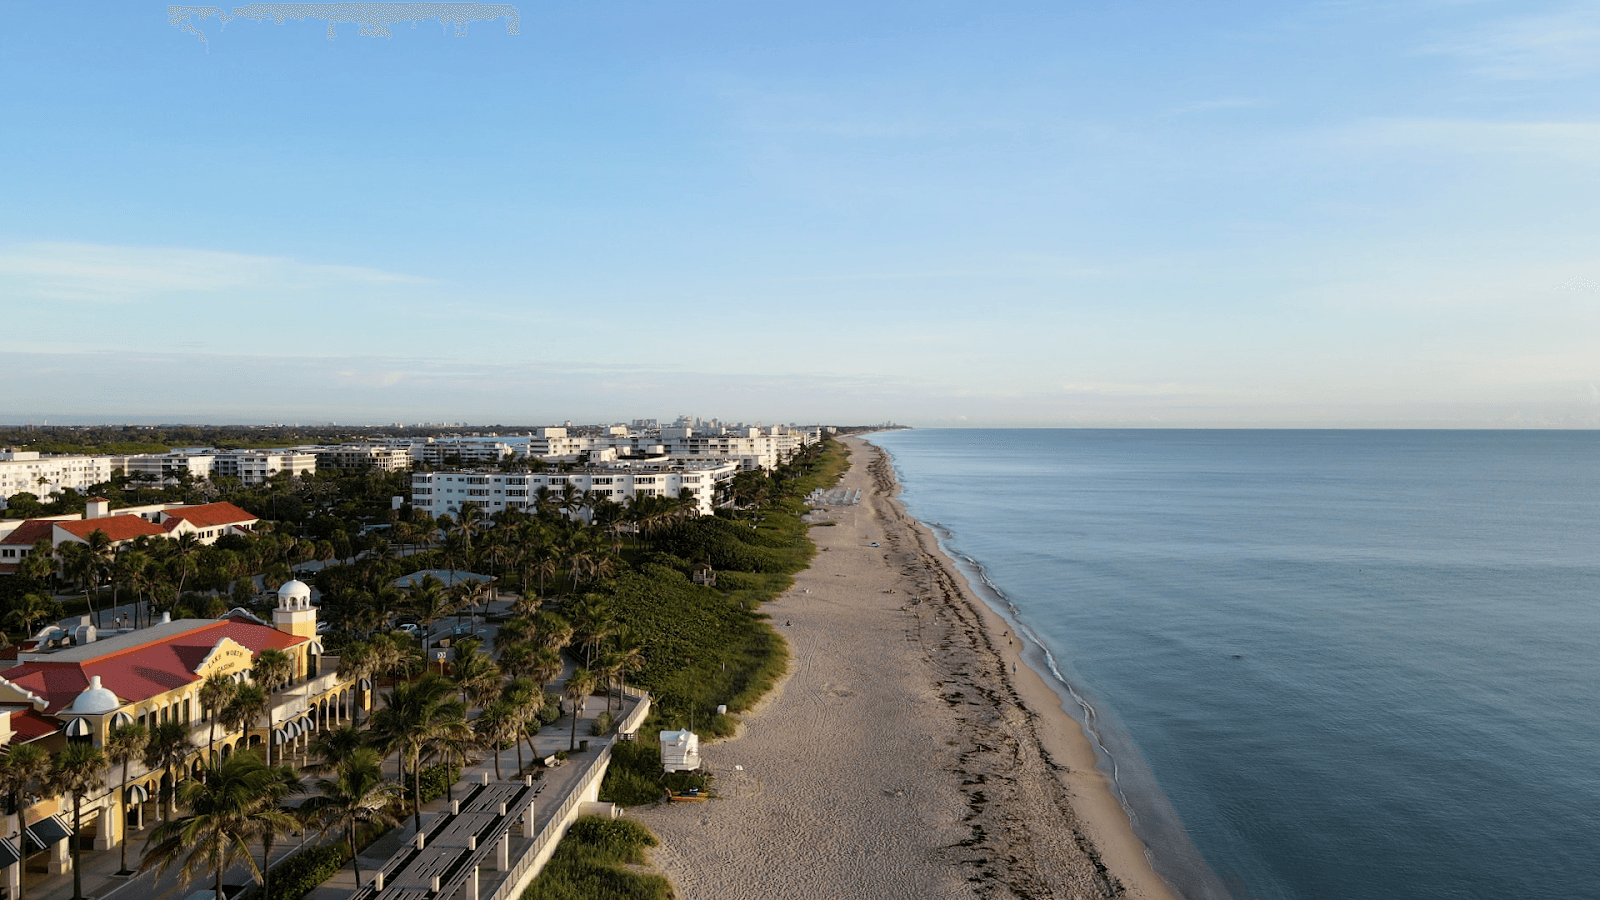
(1158, 213)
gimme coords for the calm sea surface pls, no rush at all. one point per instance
(1361, 665)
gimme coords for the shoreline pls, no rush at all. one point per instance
(900, 755)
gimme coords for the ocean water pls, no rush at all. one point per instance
(1361, 665)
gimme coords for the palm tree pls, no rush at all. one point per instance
(215, 693)
(23, 766)
(468, 520)
(248, 703)
(31, 608)
(428, 601)
(356, 795)
(272, 819)
(184, 550)
(78, 769)
(632, 660)
(331, 747)
(580, 684)
(554, 630)
(228, 804)
(593, 622)
(166, 749)
(124, 744)
(453, 744)
(545, 667)
(414, 715)
(496, 726)
(274, 669)
(476, 674)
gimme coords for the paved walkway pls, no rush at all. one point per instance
(101, 881)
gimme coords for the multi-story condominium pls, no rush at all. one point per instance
(461, 450)
(257, 466)
(163, 469)
(61, 688)
(360, 457)
(249, 466)
(26, 471)
(438, 493)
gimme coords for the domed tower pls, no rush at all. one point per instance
(295, 614)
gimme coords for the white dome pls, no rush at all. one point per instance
(295, 590)
(95, 700)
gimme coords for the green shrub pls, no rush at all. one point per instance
(601, 724)
(550, 712)
(303, 872)
(588, 864)
(634, 776)
(436, 781)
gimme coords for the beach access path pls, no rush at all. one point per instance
(900, 757)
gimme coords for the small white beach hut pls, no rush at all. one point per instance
(680, 751)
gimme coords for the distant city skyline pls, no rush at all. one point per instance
(1164, 214)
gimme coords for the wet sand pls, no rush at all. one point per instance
(909, 752)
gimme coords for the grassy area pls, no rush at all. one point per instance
(703, 646)
(589, 864)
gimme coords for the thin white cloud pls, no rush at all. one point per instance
(1577, 141)
(97, 273)
(1562, 44)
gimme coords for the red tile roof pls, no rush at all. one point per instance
(145, 670)
(29, 532)
(117, 528)
(28, 725)
(209, 515)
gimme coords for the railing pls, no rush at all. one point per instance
(636, 718)
(552, 829)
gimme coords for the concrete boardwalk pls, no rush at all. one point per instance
(101, 881)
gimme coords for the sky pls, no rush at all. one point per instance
(937, 213)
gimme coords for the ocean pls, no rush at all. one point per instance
(1361, 665)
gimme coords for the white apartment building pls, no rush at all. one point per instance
(26, 471)
(256, 466)
(361, 457)
(437, 493)
(163, 469)
(249, 466)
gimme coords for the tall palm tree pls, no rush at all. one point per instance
(468, 520)
(356, 795)
(545, 667)
(274, 670)
(332, 746)
(273, 819)
(475, 674)
(580, 684)
(124, 744)
(495, 727)
(215, 693)
(167, 749)
(184, 551)
(78, 769)
(227, 808)
(248, 704)
(413, 716)
(21, 769)
(452, 744)
(429, 602)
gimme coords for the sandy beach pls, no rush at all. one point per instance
(910, 752)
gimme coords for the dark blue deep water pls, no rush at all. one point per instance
(1361, 665)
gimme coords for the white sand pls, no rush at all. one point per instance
(900, 758)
